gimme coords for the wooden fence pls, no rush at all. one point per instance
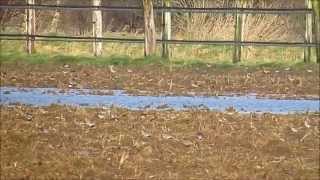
(311, 27)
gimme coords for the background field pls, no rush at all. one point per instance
(180, 53)
(185, 26)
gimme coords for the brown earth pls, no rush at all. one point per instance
(281, 82)
(60, 142)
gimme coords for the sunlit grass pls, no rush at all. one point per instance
(132, 54)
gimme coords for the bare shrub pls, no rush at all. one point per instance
(209, 26)
(202, 26)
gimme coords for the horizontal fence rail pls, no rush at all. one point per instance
(164, 9)
(133, 40)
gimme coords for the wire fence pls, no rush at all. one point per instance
(165, 9)
(235, 11)
(133, 40)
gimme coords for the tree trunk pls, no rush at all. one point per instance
(149, 28)
(97, 28)
(55, 20)
(30, 27)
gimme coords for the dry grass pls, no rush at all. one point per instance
(75, 143)
(260, 27)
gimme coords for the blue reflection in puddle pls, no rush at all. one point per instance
(90, 98)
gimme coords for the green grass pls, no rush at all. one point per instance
(125, 55)
(39, 58)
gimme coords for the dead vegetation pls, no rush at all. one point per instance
(258, 27)
(282, 82)
(74, 143)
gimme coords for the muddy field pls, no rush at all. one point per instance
(62, 142)
(76, 143)
(209, 80)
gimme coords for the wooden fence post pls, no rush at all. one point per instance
(244, 20)
(166, 31)
(55, 20)
(316, 32)
(149, 28)
(316, 27)
(97, 29)
(237, 37)
(30, 27)
(308, 32)
(94, 34)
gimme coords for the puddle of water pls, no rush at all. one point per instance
(84, 97)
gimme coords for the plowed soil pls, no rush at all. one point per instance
(281, 82)
(61, 142)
